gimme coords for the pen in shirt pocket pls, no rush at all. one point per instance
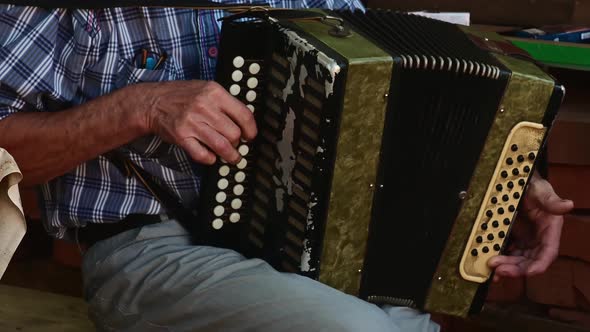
(149, 60)
(161, 60)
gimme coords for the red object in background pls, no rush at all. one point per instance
(30, 204)
(569, 139)
(565, 284)
(575, 238)
(66, 253)
(507, 290)
(571, 182)
(568, 145)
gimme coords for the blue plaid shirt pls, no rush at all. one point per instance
(53, 59)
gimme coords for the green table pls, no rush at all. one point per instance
(556, 54)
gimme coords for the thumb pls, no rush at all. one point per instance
(551, 203)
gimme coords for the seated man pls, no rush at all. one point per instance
(71, 91)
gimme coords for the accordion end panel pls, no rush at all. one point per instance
(512, 172)
(357, 157)
(462, 273)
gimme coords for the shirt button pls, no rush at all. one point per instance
(213, 52)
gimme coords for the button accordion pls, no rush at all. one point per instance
(392, 152)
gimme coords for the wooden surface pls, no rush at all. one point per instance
(30, 310)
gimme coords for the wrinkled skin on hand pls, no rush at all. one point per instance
(201, 117)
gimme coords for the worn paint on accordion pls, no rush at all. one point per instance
(300, 48)
(306, 254)
(286, 162)
(323, 60)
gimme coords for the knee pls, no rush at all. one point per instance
(367, 317)
(351, 317)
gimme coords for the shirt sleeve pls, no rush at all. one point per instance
(26, 51)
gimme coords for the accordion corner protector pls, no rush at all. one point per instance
(499, 206)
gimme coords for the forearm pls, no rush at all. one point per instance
(48, 144)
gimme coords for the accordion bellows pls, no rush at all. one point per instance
(390, 161)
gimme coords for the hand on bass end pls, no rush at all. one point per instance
(536, 234)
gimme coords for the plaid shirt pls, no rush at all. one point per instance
(53, 59)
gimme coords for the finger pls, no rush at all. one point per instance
(516, 252)
(496, 261)
(547, 200)
(545, 257)
(234, 109)
(243, 118)
(197, 151)
(510, 271)
(217, 143)
(539, 266)
(223, 125)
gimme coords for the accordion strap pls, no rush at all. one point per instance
(169, 201)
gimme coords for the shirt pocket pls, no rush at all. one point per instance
(130, 74)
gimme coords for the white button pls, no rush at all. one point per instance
(217, 223)
(238, 190)
(218, 211)
(252, 82)
(234, 89)
(222, 184)
(224, 170)
(220, 197)
(250, 107)
(237, 76)
(239, 62)
(251, 96)
(242, 164)
(234, 217)
(254, 68)
(243, 150)
(240, 177)
(236, 203)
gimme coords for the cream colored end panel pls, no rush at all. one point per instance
(499, 206)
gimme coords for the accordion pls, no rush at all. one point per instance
(392, 152)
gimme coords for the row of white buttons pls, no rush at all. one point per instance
(252, 82)
(219, 210)
(222, 196)
(233, 218)
(235, 89)
(224, 170)
(239, 62)
(223, 183)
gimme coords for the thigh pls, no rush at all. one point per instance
(165, 284)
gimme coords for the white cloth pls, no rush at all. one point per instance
(12, 220)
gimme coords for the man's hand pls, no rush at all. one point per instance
(201, 117)
(536, 234)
